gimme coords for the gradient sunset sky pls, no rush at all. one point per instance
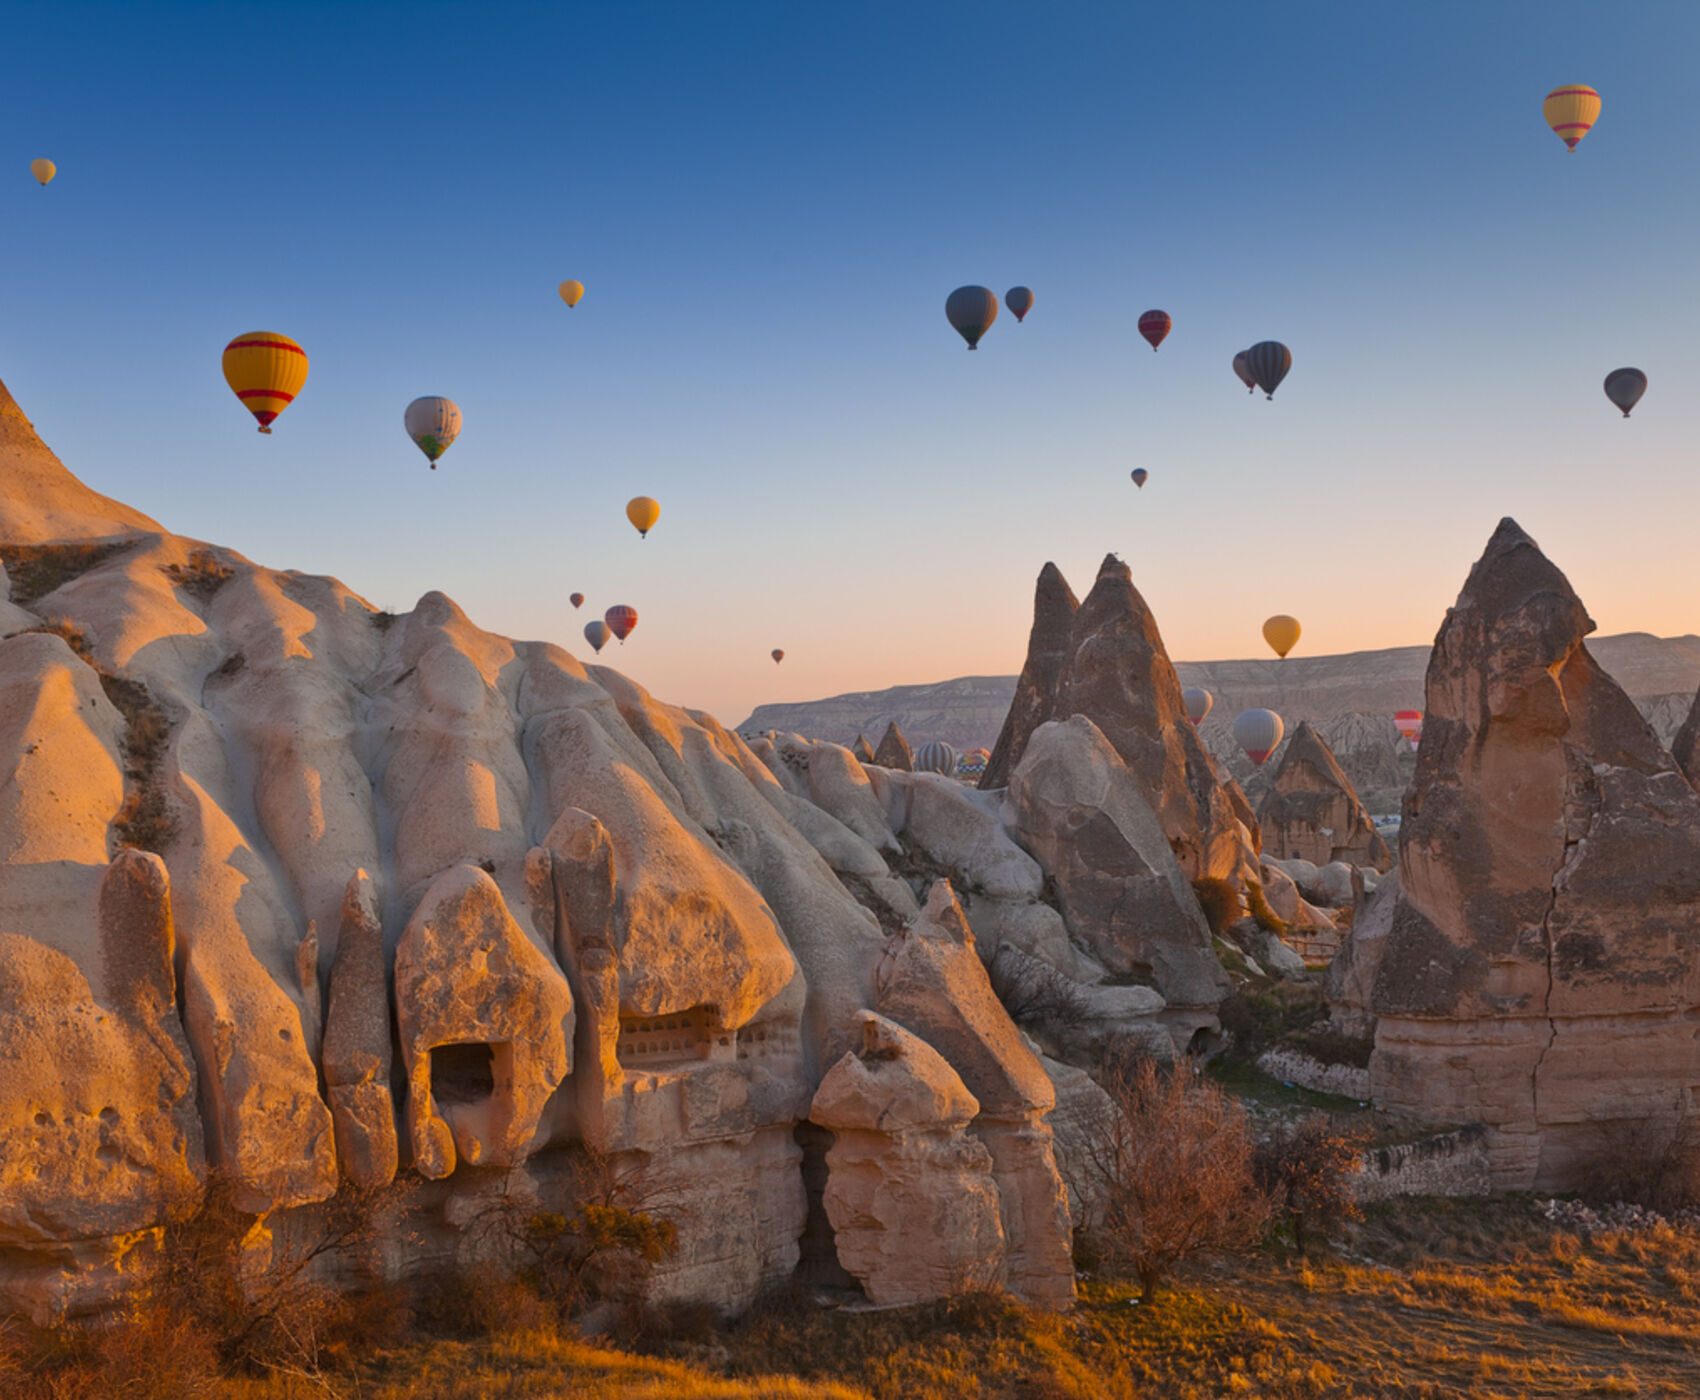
(768, 204)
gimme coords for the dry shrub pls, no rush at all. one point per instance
(1305, 1168)
(1267, 919)
(35, 570)
(1651, 1162)
(1221, 902)
(202, 576)
(1171, 1155)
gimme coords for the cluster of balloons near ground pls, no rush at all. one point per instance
(936, 756)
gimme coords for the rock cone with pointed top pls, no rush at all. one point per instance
(1049, 645)
(1312, 811)
(1541, 975)
(1685, 748)
(893, 751)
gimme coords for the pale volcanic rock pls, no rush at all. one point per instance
(933, 983)
(861, 751)
(486, 1027)
(1543, 967)
(1289, 905)
(355, 1055)
(1351, 975)
(909, 1190)
(1028, 926)
(1311, 811)
(99, 1133)
(959, 828)
(1123, 894)
(1049, 646)
(893, 751)
(1077, 1022)
(839, 784)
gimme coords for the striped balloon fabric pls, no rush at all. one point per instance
(1571, 112)
(936, 756)
(971, 767)
(266, 371)
(1269, 361)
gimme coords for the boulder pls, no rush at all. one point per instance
(933, 983)
(1123, 894)
(893, 751)
(486, 1027)
(1077, 1022)
(909, 1190)
(1028, 926)
(1036, 690)
(1311, 811)
(1538, 977)
(957, 828)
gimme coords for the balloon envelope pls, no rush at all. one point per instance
(597, 634)
(265, 371)
(1570, 111)
(1243, 369)
(1269, 361)
(1019, 300)
(936, 756)
(1139, 477)
(621, 619)
(1258, 732)
(643, 512)
(972, 765)
(1154, 325)
(1282, 633)
(778, 656)
(1624, 388)
(576, 599)
(43, 169)
(971, 310)
(433, 423)
(571, 292)
(1410, 724)
(1198, 701)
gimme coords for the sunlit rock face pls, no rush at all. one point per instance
(1541, 974)
(307, 894)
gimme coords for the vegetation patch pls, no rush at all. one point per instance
(1267, 919)
(202, 576)
(35, 570)
(1221, 902)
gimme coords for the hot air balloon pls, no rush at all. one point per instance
(1624, 388)
(433, 423)
(1570, 111)
(778, 656)
(43, 170)
(1017, 299)
(936, 756)
(1198, 701)
(571, 292)
(1258, 732)
(621, 619)
(266, 371)
(576, 599)
(1282, 633)
(1139, 475)
(1410, 724)
(597, 634)
(971, 767)
(1154, 325)
(1243, 369)
(971, 310)
(643, 512)
(1269, 361)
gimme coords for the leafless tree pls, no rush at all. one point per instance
(1306, 1168)
(1171, 1159)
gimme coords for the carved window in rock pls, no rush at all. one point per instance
(678, 1038)
(463, 1072)
(767, 1041)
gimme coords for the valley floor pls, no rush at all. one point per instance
(1424, 1299)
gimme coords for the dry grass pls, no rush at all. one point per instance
(35, 570)
(202, 576)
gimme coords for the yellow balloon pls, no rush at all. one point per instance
(43, 170)
(1570, 111)
(643, 512)
(571, 292)
(266, 371)
(1282, 633)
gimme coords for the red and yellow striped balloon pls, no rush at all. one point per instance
(266, 371)
(1570, 111)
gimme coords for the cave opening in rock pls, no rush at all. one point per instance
(463, 1073)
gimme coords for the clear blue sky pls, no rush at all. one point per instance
(767, 204)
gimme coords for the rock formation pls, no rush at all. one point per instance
(1311, 811)
(579, 915)
(861, 750)
(1117, 674)
(1541, 974)
(1686, 747)
(893, 751)
(1036, 689)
